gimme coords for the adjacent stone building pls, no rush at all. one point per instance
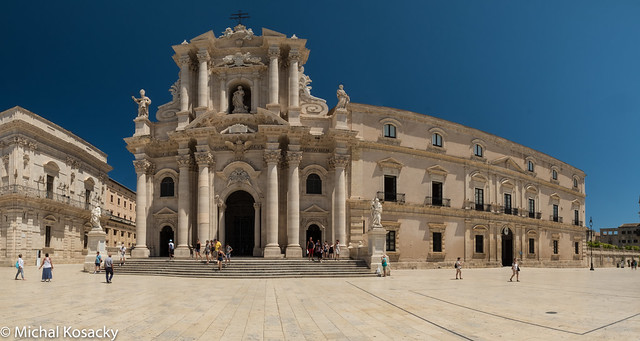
(244, 153)
(120, 208)
(50, 179)
(621, 236)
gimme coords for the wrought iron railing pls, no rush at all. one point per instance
(555, 218)
(43, 194)
(481, 207)
(391, 196)
(576, 222)
(534, 215)
(437, 201)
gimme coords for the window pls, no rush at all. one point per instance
(389, 188)
(436, 192)
(121, 233)
(576, 247)
(437, 242)
(111, 197)
(554, 174)
(575, 182)
(86, 239)
(167, 187)
(479, 244)
(555, 212)
(477, 150)
(314, 184)
(389, 130)
(530, 166)
(532, 208)
(49, 187)
(532, 246)
(479, 199)
(47, 236)
(130, 207)
(507, 203)
(118, 201)
(576, 217)
(555, 247)
(115, 232)
(391, 241)
(436, 140)
(125, 204)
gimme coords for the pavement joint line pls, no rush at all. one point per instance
(612, 323)
(412, 313)
(496, 315)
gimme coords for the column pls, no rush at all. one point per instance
(184, 163)
(185, 81)
(294, 80)
(203, 79)
(272, 249)
(293, 206)
(256, 230)
(255, 92)
(274, 52)
(223, 93)
(339, 163)
(141, 250)
(204, 160)
(221, 225)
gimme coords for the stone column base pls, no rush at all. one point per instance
(376, 241)
(182, 252)
(95, 242)
(140, 252)
(293, 251)
(272, 252)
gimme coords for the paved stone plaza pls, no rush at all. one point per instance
(548, 304)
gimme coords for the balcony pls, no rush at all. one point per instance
(481, 207)
(534, 215)
(391, 196)
(508, 210)
(576, 222)
(557, 219)
(44, 194)
(437, 201)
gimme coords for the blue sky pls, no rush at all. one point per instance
(561, 77)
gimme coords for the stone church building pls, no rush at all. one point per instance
(245, 154)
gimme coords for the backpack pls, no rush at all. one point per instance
(17, 264)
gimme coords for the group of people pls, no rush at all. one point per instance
(515, 268)
(108, 263)
(322, 250)
(46, 266)
(213, 252)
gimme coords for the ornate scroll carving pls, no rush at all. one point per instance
(239, 175)
(272, 156)
(183, 161)
(239, 60)
(339, 161)
(293, 158)
(141, 166)
(274, 52)
(204, 159)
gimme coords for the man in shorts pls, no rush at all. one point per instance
(97, 262)
(123, 251)
(228, 254)
(172, 248)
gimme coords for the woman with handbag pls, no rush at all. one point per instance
(516, 270)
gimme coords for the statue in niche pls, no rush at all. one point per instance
(95, 217)
(343, 98)
(238, 101)
(143, 104)
(376, 213)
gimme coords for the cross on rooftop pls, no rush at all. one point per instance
(239, 16)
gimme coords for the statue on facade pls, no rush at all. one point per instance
(143, 104)
(95, 217)
(376, 213)
(238, 101)
(343, 98)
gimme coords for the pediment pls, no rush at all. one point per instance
(271, 33)
(437, 169)
(165, 211)
(315, 209)
(390, 163)
(207, 36)
(236, 123)
(508, 163)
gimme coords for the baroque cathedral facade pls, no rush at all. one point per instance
(246, 155)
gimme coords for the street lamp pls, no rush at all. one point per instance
(591, 233)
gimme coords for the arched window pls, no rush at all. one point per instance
(167, 187)
(314, 184)
(554, 174)
(436, 140)
(389, 130)
(530, 166)
(477, 150)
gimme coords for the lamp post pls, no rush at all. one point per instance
(591, 247)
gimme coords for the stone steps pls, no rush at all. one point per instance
(245, 268)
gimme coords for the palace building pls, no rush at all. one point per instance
(245, 154)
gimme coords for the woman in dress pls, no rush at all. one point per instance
(46, 267)
(515, 268)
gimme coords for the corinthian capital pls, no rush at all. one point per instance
(272, 156)
(204, 159)
(339, 161)
(274, 52)
(294, 55)
(183, 161)
(203, 56)
(141, 166)
(185, 61)
(294, 158)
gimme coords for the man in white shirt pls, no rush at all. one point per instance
(123, 250)
(172, 247)
(20, 267)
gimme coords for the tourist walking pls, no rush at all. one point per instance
(516, 270)
(331, 251)
(207, 250)
(217, 245)
(198, 250)
(172, 248)
(337, 249)
(310, 246)
(220, 259)
(458, 267)
(108, 267)
(123, 251)
(318, 251)
(47, 267)
(325, 250)
(228, 253)
(383, 260)
(97, 262)
(20, 267)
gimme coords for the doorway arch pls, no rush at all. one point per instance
(507, 246)
(314, 231)
(239, 223)
(166, 234)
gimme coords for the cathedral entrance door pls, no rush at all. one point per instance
(239, 221)
(507, 247)
(166, 234)
(314, 232)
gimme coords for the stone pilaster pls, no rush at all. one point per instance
(272, 249)
(204, 161)
(223, 93)
(203, 79)
(339, 162)
(274, 53)
(184, 202)
(294, 89)
(293, 206)
(185, 84)
(141, 250)
(221, 221)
